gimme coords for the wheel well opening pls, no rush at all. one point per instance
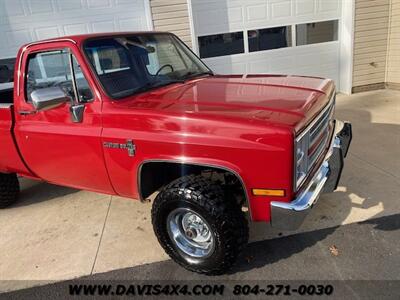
(153, 176)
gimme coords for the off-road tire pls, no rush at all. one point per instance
(225, 217)
(9, 189)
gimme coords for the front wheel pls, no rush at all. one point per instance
(198, 226)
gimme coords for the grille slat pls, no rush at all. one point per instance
(320, 128)
(312, 143)
(320, 125)
(313, 158)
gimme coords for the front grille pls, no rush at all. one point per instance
(319, 136)
(312, 143)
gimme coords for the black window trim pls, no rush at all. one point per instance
(28, 58)
(74, 58)
(69, 52)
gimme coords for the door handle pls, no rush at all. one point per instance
(27, 112)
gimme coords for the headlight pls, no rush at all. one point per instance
(301, 167)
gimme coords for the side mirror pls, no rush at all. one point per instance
(48, 98)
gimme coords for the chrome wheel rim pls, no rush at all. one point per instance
(190, 233)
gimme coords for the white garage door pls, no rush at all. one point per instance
(269, 36)
(24, 21)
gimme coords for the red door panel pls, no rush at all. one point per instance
(59, 150)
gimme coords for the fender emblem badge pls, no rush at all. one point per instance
(130, 146)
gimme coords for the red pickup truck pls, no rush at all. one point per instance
(137, 114)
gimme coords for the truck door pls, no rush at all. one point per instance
(61, 145)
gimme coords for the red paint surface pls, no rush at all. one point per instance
(244, 123)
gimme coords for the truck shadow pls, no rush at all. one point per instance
(264, 253)
(34, 192)
(369, 188)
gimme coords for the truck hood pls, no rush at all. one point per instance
(290, 101)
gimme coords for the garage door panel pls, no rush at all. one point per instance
(24, 21)
(315, 60)
(228, 19)
(68, 5)
(17, 37)
(47, 32)
(128, 23)
(75, 29)
(39, 7)
(103, 26)
(228, 66)
(281, 9)
(218, 16)
(11, 8)
(305, 7)
(256, 13)
(262, 64)
(99, 3)
(325, 6)
(255, 18)
(3, 38)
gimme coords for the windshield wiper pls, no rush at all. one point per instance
(192, 74)
(156, 84)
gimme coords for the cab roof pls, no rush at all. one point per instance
(79, 39)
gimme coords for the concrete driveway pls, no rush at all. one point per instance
(57, 233)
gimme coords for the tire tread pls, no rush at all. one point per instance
(210, 196)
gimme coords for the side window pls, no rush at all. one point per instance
(48, 69)
(51, 69)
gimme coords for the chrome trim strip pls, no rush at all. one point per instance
(320, 126)
(50, 41)
(301, 204)
(320, 149)
(193, 164)
(34, 44)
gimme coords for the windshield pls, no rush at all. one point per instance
(129, 64)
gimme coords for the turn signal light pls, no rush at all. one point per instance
(264, 192)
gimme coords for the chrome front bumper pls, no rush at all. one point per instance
(290, 215)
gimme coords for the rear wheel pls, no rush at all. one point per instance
(9, 189)
(198, 226)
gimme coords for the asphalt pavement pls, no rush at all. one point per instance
(360, 261)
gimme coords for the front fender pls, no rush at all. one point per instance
(261, 156)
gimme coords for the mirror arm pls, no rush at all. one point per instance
(77, 112)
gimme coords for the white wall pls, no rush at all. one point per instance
(23, 21)
(212, 17)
